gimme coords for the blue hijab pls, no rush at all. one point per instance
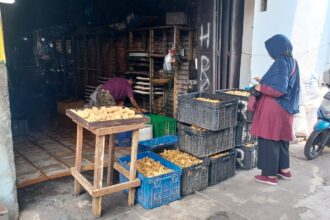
(278, 76)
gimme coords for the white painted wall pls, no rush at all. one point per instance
(305, 22)
(245, 73)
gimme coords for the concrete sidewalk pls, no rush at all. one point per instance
(307, 196)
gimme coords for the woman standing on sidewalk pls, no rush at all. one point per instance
(273, 117)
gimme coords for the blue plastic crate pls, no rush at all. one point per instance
(158, 143)
(123, 139)
(159, 190)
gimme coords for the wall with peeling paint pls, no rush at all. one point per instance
(8, 192)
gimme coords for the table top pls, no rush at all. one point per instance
(106, 124)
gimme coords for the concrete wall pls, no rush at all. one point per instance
(247, 43)
(306, 23)
(8, 193)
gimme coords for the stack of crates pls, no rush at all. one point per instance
(194, 175)
(158, 190)
(193, 178)
(245, 142)
(207, 131)
(161, 126)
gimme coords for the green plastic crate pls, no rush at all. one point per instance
(162, 125)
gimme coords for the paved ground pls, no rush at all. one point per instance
(307, 196)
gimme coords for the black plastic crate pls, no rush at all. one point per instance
(211, 116)
(243, 135)
(247, 156)
(242, 113)
(195, 178)
(222, 167)
(205, 143)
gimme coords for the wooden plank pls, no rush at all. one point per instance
(26, 173)
(52, 168)
(121, 169)
(120, 152)
(70, 143)
(116, 188)
(132, 173)
(78, 157)
(34, 180)
(61, 141)
(46, 164)
(32, 164)
(82, 180)
(51, 154)
(98, 174)
(111, 159)
(69, 151)
(35, 165)
(71, 159)
(119, 129)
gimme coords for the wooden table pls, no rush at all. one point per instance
(96, 190)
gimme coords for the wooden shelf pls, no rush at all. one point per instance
(138, 73)
(158, 41)
(137, 50)
(138, 54)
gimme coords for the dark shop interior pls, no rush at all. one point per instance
(59, 52)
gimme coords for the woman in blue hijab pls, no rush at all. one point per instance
(273, 117)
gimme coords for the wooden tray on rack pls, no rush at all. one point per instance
(104, 124)
(160, 81)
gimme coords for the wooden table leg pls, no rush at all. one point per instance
(79, 145)
(132, 173)
(98, 173)
(111, 159)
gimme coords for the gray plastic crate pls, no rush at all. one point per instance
(222, 168)
(211, 116)
(243, 135)
(247, 156)
(195, 178)
(242, 113)
(205, 143)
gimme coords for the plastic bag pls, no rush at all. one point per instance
(169, 60)
(300, 123)
(167, 63)
(92, 100)
(311, 93)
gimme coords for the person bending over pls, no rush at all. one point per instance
(115, 91)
